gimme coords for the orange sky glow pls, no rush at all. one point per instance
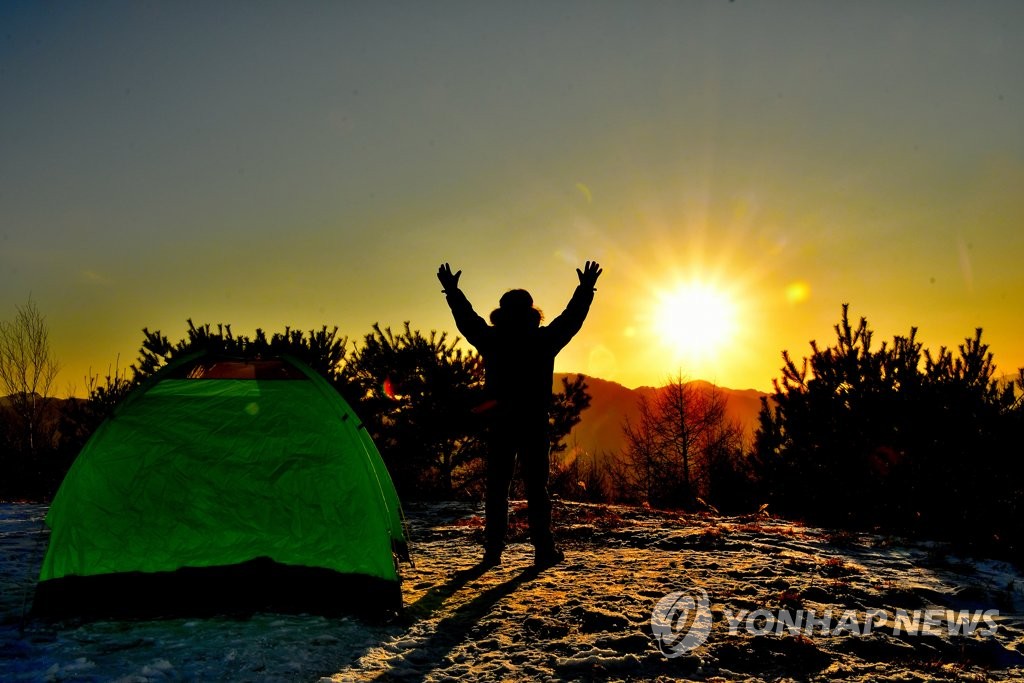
(309, 164)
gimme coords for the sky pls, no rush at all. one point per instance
(739, 169)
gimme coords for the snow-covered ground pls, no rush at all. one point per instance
(589, 618)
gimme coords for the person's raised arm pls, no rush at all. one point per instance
(569, 321)
(470, 324)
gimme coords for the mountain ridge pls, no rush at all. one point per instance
(612, 404)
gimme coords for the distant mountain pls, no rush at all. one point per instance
(600, 430)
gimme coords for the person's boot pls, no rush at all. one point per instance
(549, 557)
(491, 558)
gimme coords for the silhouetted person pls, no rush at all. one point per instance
(519, 362)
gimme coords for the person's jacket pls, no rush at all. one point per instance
(519, 363)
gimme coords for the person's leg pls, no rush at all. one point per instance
(536, 462)
(501, 461)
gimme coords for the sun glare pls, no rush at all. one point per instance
(696, 320)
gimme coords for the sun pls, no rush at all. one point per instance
(696, 320)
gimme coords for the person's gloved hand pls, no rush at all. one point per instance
(448, 281)
(588, 276)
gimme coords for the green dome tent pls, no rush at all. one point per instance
(225, 484)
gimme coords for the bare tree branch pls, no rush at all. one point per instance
(28, 369)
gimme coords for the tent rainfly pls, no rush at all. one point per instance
(225, 485)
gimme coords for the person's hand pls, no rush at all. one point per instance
(448, 281)
(588, 276)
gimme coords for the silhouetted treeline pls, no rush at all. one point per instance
(890, 437)
(416, 394)
(420, 396)
(895, 437)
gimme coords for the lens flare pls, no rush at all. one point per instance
(585, 191)
(798, 292)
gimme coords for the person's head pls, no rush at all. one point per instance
(516, 310)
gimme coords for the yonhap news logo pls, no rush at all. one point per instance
(681, 622)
